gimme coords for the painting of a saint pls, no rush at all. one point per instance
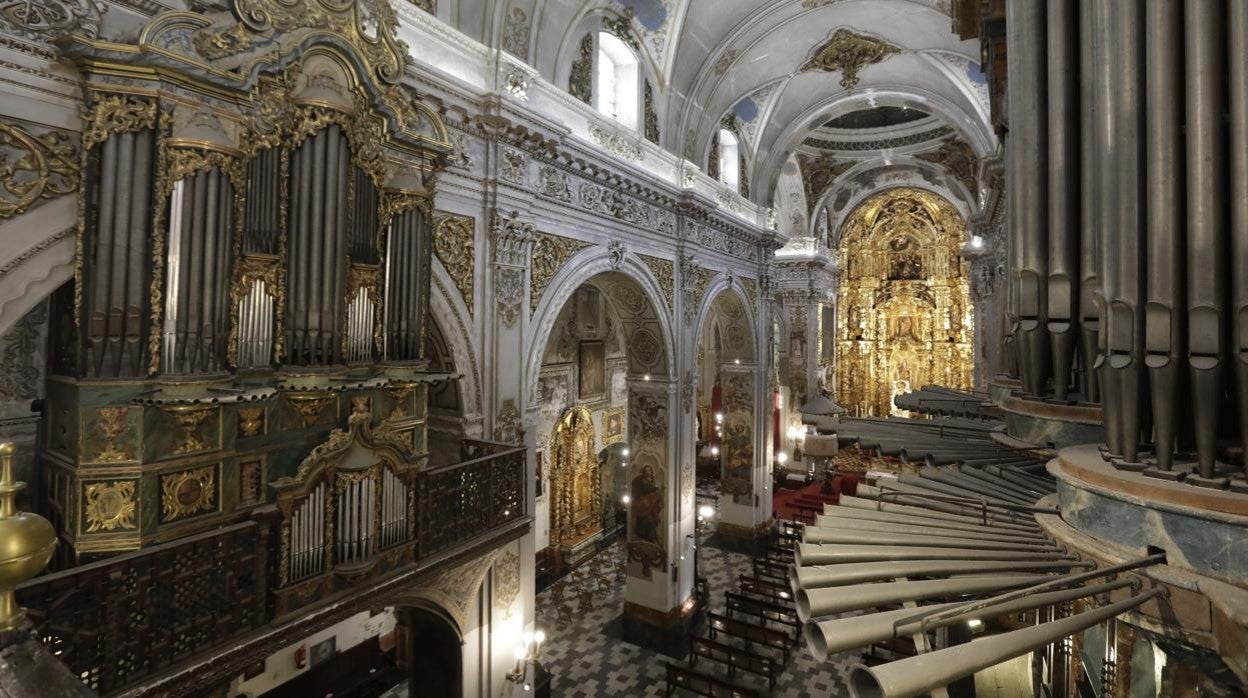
(646, 499)
(592, 379)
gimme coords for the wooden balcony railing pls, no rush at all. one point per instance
(138, 615)
(460, 502)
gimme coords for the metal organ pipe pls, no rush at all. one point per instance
(1063, 189)
(1206, 250)
(1106, 220)
(1089, 260)
(1164, 316)
(1238, 79)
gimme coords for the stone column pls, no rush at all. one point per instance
(745, 485)
(655, 614)
(510, 240)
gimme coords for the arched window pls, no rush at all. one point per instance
(616, 93)
(729, 160)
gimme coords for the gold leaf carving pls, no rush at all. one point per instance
(111, 421)
(110, 505)
(849, 52)
(35, 167)
(188, 492)
(663, 270)
(454, 245)
(550, 253)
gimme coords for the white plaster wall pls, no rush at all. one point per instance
(280, 667)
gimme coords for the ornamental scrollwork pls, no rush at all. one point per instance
(507, 429)
(507, 581)
(617, 144)
(49, 20)
(35, 167)
(116, 114)
(849, 52)
(581, 80)
(511, 238)
(550, 253)
(187, 493)
(554, 184)
(958, 158)
(110, 505)
(663, 274)
(453, 244)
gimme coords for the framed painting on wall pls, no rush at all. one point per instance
(592, 371)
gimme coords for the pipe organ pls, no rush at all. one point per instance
(254, 242)
(1157, 234)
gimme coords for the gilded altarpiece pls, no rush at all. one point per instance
(904, 319)
(575, 485)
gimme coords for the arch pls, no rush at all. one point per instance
(435, 657)
(919, 174)
(578, 270)
(718, 286)
(972, 130)
(38, 256)
(448, 309)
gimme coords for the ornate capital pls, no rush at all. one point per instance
(512, 239)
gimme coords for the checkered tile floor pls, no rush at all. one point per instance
(588, 657)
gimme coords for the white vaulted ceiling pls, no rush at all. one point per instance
(708, 57)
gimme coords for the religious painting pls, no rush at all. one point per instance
(588, 311)
(322, 652)
(538, 486)
(612, 425)
(738, 438)
(645, 521)
(592, 371)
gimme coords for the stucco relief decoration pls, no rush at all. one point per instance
(456, 588)
(550, 253)
(616, 252)
(647, 550)
(507, 429)
(554, 184)
(609, 202)
(818, 174)
(849, 52)
(617, 144)
(110, 505)
(49, 20)
(516, 34)
(507, 583)
(751, 290)
(687, 389)
(958, 158)
(453, 243)
(515, 167)
(724, 62)
(35, 167)
(21, 362)
(508, 294)
(694, 282)
(430, 6)
(662, 270)
(581, 80)
(722, 242)
(511, 237)
(645, 347)
(651, 115)
(187, 493)
(461, 155)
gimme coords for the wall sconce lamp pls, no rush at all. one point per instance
(528, 653)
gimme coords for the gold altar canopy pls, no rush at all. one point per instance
(576, 513)
(904, 316)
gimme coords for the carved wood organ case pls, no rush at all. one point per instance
(252, 271)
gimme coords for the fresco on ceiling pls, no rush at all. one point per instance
(651, 14)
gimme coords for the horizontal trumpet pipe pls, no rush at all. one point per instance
(995, 520)
(831, 511)
(813, 554)
(814, 603)
(923, 673)
(826, 576)
(863, 526)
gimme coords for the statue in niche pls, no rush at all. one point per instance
(906, 267)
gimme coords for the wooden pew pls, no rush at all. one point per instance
(750, 632)
(771, 568)
(696, 682)
(765, 612)
(734, 657)
(765, 590)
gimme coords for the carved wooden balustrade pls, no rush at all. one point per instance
(462, 501)
(138, 616)
(120, 620)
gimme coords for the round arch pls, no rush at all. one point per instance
(578, 270)
(969, 127)
(918, 175)
(36, 257)
(720, 285)
(448, 309)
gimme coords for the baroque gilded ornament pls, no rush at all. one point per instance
(663, 271)
(189, 418)
(250, 421)
(35, 167)
(109, 505)
(849, 52)
(550, 253)
(111, 422)
(508, 294)
(507, 582)
(454, 247)
(188, 492)
(49, 20)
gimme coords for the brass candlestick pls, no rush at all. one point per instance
(26, 543)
